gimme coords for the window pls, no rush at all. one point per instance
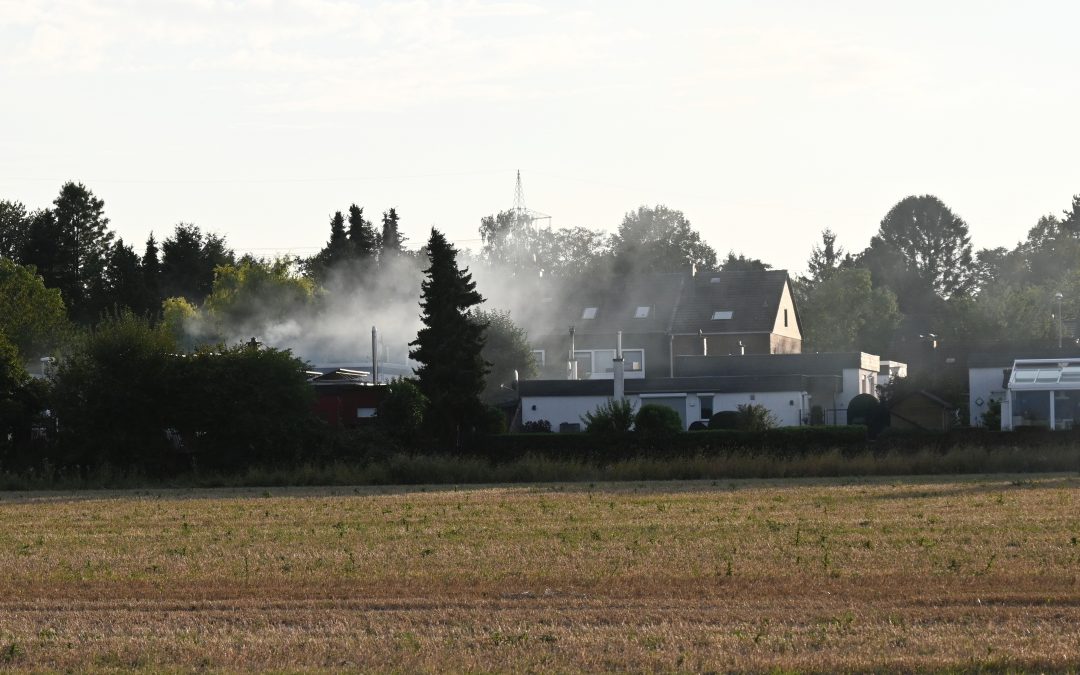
(589, 313)
(641, 313)
(538, 356)
(723, 314)
(599, 363)
(705, 404)
(584, 362)
(785, 318)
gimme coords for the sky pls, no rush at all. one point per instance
(765, 122)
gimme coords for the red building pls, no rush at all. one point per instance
(346, 398)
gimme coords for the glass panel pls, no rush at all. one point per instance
(721, 315)
(1048, 375)
(1022, 375)
(602, 361)
(1066, 409)
(634, 360)
(641, 313)
(1031, 409)
(589, 313)
(584, 364)
(1070, 374)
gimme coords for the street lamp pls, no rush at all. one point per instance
(1058, 296)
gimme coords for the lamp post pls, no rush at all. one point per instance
(1058, 296)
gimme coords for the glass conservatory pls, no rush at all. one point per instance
(1042, 393)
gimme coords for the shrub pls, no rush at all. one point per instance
(755, 417)
(612, 417)
(991, 419)
(491, 421)
(537, 427)
(402, 410)
(725, 419)
(657, 420)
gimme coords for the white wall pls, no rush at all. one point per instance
(788, 304)
(560, 409)
(985, 384)
(787, 406)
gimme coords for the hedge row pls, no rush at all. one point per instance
(786, 441)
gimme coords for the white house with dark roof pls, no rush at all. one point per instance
(662, 317)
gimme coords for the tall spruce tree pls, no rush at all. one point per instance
(391, 240)
(448, 347)
(362, 236)
(151, 271)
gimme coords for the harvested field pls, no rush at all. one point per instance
(816, 575)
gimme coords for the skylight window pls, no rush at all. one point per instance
(589, 313)
(641, 313)
(724, 314)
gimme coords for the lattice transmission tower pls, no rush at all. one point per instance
(523, 217)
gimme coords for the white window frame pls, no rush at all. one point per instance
(540, 356)
(589, 313)
(642, 312)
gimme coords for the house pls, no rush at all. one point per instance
(988, 373)
(564, 402)
(1042, 393)
(836, 378)
(345, 398)
(661, 317)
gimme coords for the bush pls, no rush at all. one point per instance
(402, 410)
(612, 417)
(537, 427)
(754, 417)
(657, 420)
(491, 421)
(725, 419)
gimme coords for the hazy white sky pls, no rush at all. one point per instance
(765, 122)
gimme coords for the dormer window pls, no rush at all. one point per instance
(722, 314)
(589, 313)
(641, 313)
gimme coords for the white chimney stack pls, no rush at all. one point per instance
(617, 368)
(374, 356)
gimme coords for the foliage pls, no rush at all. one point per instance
(240, 405)
(741, 263)
(14, 229)
(403, 409)
(611, 417)
(657, 420)
(536, 427)
(827, 259)
(178, 317)
(659, 239)
(724, 419)
(844, 312)
(449, 345)
(929, 243)
(188, 261)
(991, 417)
(863, 409)
(31, 315)
(755, 417)
(252, 295)
(507, 349)
(391, 242)
(21, 401)
(112, 393)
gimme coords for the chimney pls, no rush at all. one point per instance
(704, 342)
(571, 365)
(374, 356)
(617, 368)
(742, 349)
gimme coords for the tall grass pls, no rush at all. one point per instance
(406, 469)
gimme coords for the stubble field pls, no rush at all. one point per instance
(901, 574)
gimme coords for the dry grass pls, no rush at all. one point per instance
(816, 575)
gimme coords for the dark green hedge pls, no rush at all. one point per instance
(785, 441)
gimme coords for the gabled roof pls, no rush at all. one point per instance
(617, 307)
(752, 297)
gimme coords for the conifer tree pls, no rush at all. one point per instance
(391, 239)
(448, 347)
(151, 271)
(362, 236)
